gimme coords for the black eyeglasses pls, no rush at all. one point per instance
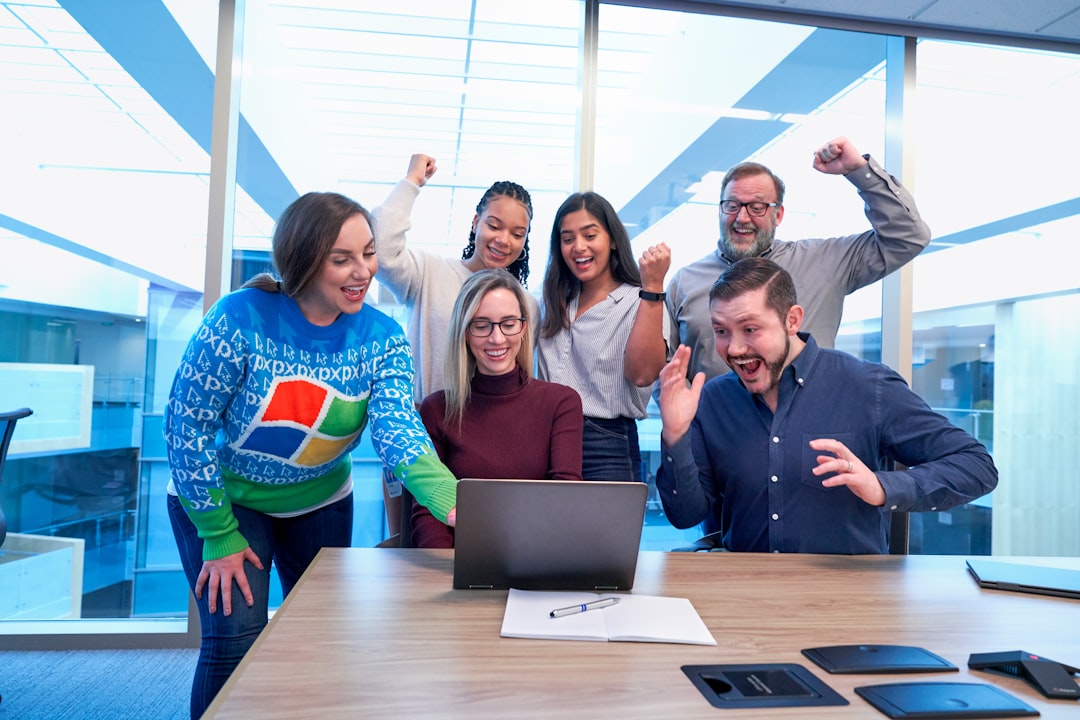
(734, 207)
(508, 327)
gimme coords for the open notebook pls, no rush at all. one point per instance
(636, 618)
(547, 534)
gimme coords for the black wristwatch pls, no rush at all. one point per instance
(655, 297)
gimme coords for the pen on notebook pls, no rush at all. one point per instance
(574, 609)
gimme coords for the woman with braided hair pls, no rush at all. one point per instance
(427, 283)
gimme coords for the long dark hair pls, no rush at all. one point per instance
(303, 237)
(561, 285)
(504, 188)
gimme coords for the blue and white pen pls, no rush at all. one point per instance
(575, 609)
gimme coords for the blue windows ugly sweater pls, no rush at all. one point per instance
(266, 407)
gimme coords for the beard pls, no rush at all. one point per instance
(774, 368)
(763, 240)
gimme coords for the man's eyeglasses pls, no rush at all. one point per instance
(509, 326)
(757, 209)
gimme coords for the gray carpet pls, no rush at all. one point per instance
(96, 684)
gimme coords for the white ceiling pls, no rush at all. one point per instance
(1050, 23)
(345, 90)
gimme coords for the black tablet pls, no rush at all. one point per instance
(944, 700)
(878, 659)
(765, 685)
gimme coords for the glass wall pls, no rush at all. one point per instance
(340, 95)
(103, 203)
(104, 200)
(996, 296)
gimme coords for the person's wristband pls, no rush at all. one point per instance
(655, 297)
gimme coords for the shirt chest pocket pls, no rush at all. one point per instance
(808, 458)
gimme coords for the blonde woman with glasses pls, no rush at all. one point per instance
(494, 419)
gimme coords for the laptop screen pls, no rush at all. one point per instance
(548, 534)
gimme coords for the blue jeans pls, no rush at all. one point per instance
(610, 450)
(289, 543)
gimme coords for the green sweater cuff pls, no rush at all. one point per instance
(217, 548)
(431, 483)
(218, 528)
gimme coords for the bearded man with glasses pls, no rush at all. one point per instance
(825, 270)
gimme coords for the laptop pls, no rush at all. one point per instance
(1036, 579)
(548, 534)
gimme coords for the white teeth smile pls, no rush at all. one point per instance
(746, 362)
(582, 261)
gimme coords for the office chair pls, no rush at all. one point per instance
(899, 533)
(705, 543)
(405, 532)
(713, 539)
(403, 537)
(7, 429)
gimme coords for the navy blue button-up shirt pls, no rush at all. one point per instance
(757, 465)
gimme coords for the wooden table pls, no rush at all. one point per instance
(379, 633)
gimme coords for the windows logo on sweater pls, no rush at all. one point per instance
(304, 422)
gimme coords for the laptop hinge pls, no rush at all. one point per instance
(605, 588)
(481, 587)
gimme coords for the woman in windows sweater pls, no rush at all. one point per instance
(271, 396)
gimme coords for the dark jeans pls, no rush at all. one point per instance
(289, 543)
(610, 450)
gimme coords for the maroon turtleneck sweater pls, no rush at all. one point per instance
(513, 427)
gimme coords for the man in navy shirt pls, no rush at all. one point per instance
(797, 441)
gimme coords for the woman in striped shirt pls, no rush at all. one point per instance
(603, 329)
